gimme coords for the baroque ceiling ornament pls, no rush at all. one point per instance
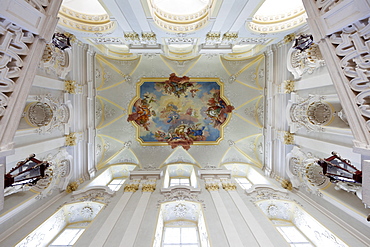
(180, 194)
(55, 114)
(311, 113)
(305, 59)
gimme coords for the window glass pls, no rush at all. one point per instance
(115, 184)
(244, 183)
(293, 236)
(68, 237)
(179, 181)
(180, 237)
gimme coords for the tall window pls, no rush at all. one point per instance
(292, 235)
(180, 175)
(246, 175)
(70, 225)
(180, 236)
(181, 224)
(68, 237)
(113, 177)
(297, 226)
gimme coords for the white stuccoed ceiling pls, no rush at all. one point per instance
(242, 74)
(242, 140)
(230, 16)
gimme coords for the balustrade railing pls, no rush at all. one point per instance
(25, 28)
(342, 30)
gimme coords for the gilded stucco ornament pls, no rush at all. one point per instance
(131, 187)
(286, 185)
(213, 38)
(148, 187)
(70, 86)
(289, 86)
(212, 186)
(229, 186)
(70, 139)
(132, 37)
(229, 37)
(73, 186)
(289, 38)
(288, 138)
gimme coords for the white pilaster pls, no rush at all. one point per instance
(45, 82)
(110, 222)
(227, 224)
(258, 232)
(130, 235)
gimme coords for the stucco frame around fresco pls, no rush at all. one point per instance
(179, 111)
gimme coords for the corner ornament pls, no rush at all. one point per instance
(70, 86)
(288, 138)
(289, 86)
(70, 139)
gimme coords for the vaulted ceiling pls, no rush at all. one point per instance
(152, 39)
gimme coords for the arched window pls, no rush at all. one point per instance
(291, 233)
(69, 236)
(113, 177)
(180, 175)
(181, 223)
(65, 226)
(297, 226)
(246, 175)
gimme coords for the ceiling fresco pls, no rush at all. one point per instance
(179, 111)
(214, 82)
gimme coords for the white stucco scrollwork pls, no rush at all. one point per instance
(311, 113)
(307, 61)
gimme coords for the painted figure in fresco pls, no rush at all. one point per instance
(196, 133)
(179, 107)
(217, 110)
(142, 114)
(179, 137)
(177, 86)
(170, 113)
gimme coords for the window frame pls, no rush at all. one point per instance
(280, 224)
(118, 185)
(180, 184)
(242, 184)
(181, 236)
(75, 226)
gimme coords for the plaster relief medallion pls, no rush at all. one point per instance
(179, 111)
